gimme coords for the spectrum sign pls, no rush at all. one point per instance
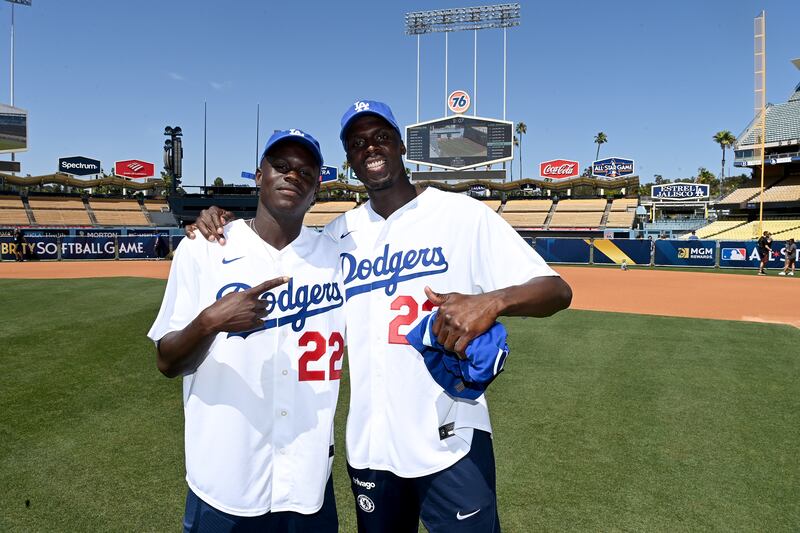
(559, 169)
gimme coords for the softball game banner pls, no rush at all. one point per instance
(88, 248)
(174, 241)
(34, 248)
(695, 253)
(744, 254)
(557, 250)
(614, 251)
(141, 247)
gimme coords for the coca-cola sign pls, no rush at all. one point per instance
(559, 169)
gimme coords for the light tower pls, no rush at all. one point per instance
(462, 19)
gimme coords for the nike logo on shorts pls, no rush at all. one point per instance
(465, 516)
(226, 261)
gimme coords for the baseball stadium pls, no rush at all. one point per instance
(665, 398)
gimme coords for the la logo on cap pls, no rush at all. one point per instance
(296, 132)
(361, 106)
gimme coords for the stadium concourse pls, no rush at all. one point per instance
(647, 292)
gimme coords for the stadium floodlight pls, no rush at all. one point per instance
(173, 154)
(502, 16)
(462, 19)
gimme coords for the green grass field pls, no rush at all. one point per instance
(603, 422)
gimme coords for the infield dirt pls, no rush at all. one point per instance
(721, 296)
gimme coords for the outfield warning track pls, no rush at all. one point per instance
(771, 299)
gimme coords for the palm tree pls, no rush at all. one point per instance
(346, 169)
(522, 129)
(516, 143)
(725, 139)
(599, 139)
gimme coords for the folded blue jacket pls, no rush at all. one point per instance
(462, 378)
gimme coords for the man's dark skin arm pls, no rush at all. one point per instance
(462, 317)
(181, 352)
(209, 223)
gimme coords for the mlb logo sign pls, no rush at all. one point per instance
(734, 254)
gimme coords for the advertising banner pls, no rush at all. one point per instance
(134, 168)
(695, 253)
(326, 174)
(555, 250)
(79, 165)
(614, 251)
(87, 248)
(679, 191)
(140, 247)
(174, 241)
(744, 254)
(33, 249)
(558, 169)
(612, 167)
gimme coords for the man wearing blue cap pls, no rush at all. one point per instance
(415, 449)
(260, 360)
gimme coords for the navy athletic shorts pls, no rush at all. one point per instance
(200, 517)
(460, 498)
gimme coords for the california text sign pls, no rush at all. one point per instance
(559, 169)
(134, 168)
(679, 191)
(612, 167)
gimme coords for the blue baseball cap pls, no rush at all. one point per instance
(366, 107)
(469, 378)
(294, 135)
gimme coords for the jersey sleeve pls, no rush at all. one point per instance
(179, 306)
(500, 257)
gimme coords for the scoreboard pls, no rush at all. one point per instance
(459, 142)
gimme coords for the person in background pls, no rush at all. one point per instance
(19, 245)
(764, 246)
(791, 258)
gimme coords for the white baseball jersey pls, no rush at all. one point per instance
(259, 409)
(400, 420)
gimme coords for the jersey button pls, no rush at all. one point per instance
(285, 372)
(284, 413)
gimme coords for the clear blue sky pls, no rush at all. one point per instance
(102, 78)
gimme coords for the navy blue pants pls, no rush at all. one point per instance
(461, 498)
(200, 517)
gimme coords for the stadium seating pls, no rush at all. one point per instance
(576, 219)
(718, 226)
(582, 205)
(527, 206)
(788, 193)
(740, 195)
(781, 229)
(525, 220)
(526, 213)
(156, 206)
(322, 213)
(118, 212)
(620, 219)
(623, 204)
(121, 218)
(494, 205)
(59, 211)
(578, 213)
(12, 211)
